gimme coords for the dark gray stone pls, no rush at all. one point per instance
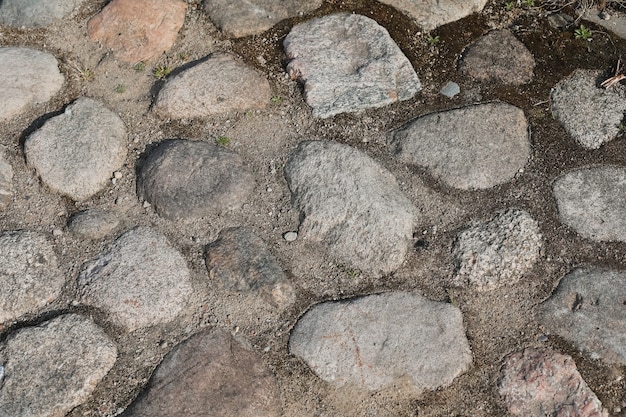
(35, 13)
(6, 182)
(93, 224)
(430, 14)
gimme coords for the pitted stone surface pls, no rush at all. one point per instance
(6, 182)
(93, 223)
(430, 14)
(351, 204)
(54, 367)
(77, 152)
(35, 13)
(473, 147)
(29, 274)
(27, 77)
(499, 252)
(373, 341)
(184, 179)
(363, 69)
(592, 201)
(141, 281)
(573, 97)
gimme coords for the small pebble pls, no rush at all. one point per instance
(117, 175)
(451, 89)
(290, 236)
(57, 232)
(146, 204)
(543, 338)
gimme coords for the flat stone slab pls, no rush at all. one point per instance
(243, 18)
(209, 374)
(93, 224)
(587, 308)
(35, 13)
(498, 57)
(573, 97)
(27, 77)
(77, 152)
(542, 382)
(138, 30)
(373, 341)
(140, 281)
(6, 182)
(54, 367)
(29, 274)
(474, 147)
(592, 201)
(363, 69)
(184, 179)
(351, 204)
(430, 14)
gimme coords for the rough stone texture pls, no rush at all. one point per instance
(240, 261)
(373, 341)
(351, 204)
(430, 14)
(244, 18)
(54, 367)
(76, 152)
(35, 13)
(185, 179)
(363, 69)
(93, 224)
(616, 24)
(141, 281)
(209, 374)
(541, 382)
(138, 30)
(473, 147)
(499, 252)
(587, 308)
(27, 77)
(221, 84)
(6, 182)
(592, 201)
(572, 100)
(498, 56)
(29, 275)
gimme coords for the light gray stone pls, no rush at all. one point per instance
(54, 367)
(29, 274)
(141, 281)
(348, 63)
(6, 182)
(351, 204)
(430, 14)
(35, 13)
(27, 77)
(77, 152)
(93, 224)
(616, 24)
(450, 89)
(474, 147)
(373, 341)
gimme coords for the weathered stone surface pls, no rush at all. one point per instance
(244, 18)
(587, 308)
(209, 374)
(93, 224)
(592, 201)
(498, 56)
(76, 152)
(52, 368)
(29, 274)
(430, 14)
(499, 252)
(473, 147)
(35, 13)
(541, 382)
(573, 97)
(363, 69)
(27, 77)
(141, 281)
(138, 30)
(221, 84)
(373, 341)
(6, 182)
(351, 204)
(184, 179)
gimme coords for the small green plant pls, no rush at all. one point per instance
(140, 66)
(277, 100)
(583, 33)
(433, 40)
(83, 73)
(162, 71)
(510, 5)
(528, 3)
(120, 89)
(222, 140)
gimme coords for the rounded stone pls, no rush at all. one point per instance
(35, 13)
(430, 14)
(93, 224)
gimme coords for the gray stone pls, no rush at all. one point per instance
(141, 281)
(29, 275)
(572, 100)
(592, 201)
(35, 13)
(616, 24)
(54, 367)
(351, 204)
(542, 382)
(6, 183)
(430, 14)
(363, 69)
(587, 308)
(27, 77)
(499, 252)
(244, 18)
(76, 152)
(209, 374)
(473, 147)
(450, 89)
(93, 224)
(184, 179)
(373, 341)
(220, 84)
